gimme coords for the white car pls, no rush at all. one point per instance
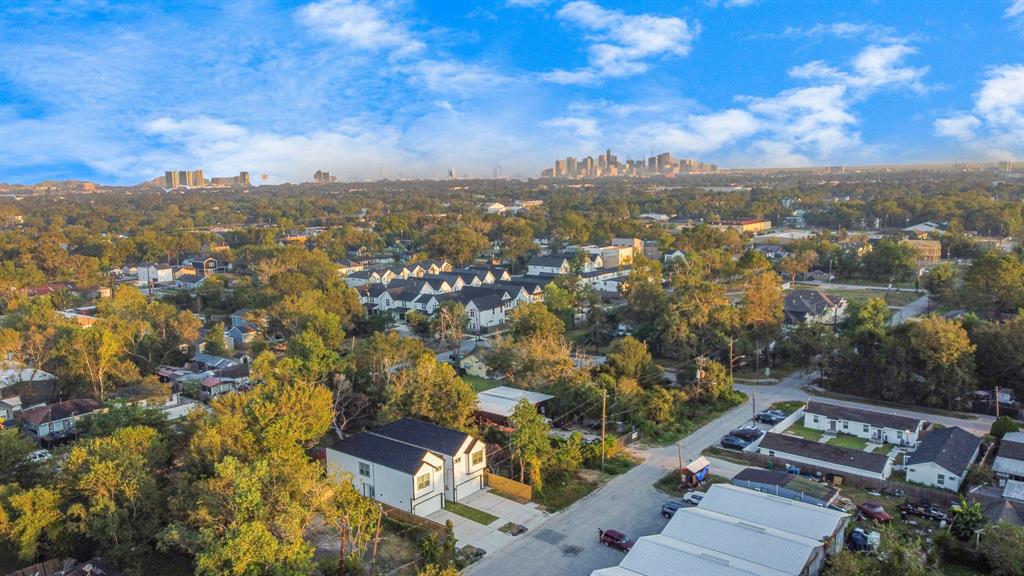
(693, 497)
(39, 456)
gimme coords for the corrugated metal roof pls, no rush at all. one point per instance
(756, 543)
(791, 516)
(660, 555)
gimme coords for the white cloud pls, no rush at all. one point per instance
(580, 127)
(452, 76)
(995, 127)
(696, 134)
(1016, 8)
(848, 31)
(361, 25)
(874, 67)
(622, 43)
(527, 3)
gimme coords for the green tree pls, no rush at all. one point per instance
(761, 310)
(569, 454)
(30, 519)
(941, 282)
(14, 466)
(534, 319)
(1002, 548)
(969, 518)
(942, 355)
(629, 357)
(994, 283)
(97, 357)
(1002, 425)
(516, 240)
(431, 390)
(120, 414)
(449, 323)
(645, 295)
(659, 405)
(216, 344)
(870, 316)
(529, 439)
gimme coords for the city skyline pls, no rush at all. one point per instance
(117, 93)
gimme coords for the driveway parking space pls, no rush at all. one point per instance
(489, 537)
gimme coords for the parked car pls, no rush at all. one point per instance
(873, 511)
(615, 539)
(668, 509)
(748, 434)
(693, 497)
(734, 442)
(770, 416)
(39, 456)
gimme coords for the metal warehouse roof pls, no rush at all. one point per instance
(660, 555)
(502, 400)
(791, 516)
(783, 551)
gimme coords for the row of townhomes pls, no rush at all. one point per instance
(928, 455)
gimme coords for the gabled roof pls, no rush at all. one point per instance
(1012, 446)
(800, 518)
(877, 419)
(424, 435)
(812, 302)
(486, 302)
(384, 451)
(548, 261)
(826, 453)
(214, 361)
(60, 411)
(952, 448)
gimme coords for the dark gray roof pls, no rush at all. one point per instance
(952, 448)
(808, 302)
(488, 289)
(550, 261)
(486, 302)
(425, 435)
(60, 411)
(384, 451)
(1009, 448)
(878, 419)
(825, 452)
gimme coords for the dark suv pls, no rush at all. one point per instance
(748, 434)
(770, 416)
(668, 509)
(616, 539)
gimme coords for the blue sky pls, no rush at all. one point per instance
(118, 92)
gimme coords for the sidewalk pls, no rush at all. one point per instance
(489, 537)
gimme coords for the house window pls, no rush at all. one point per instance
(899, 434)
(846, 425)
(771, 452)
(364, 469)
(478, 457)
(423, 481)
(867, 428)
(815, 418)
(942, 479)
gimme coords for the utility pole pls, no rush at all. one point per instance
(604, 414)
(753, 401)
(730, 362)
(679, 447)
(997, 401)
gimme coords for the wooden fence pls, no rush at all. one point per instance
(404, 517)
(508, 487)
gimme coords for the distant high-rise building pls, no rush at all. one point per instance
(588, 166)
(240, 181)
(323, 177)
(570, 167)
(187, 178)
(607, 164)
(452, 175)
(561, 170)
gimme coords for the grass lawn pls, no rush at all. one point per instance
(706, 412)
(788, 407)
(723, 454)
(480, 384)
(621, 464)
(478, 516)
(561, 490)
(847, 441)
(805, 432)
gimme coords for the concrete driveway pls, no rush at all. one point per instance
(489, 537)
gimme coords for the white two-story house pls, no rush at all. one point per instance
(878, 427)
(464, 456)
(407, 477)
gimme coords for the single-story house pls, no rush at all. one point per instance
(765, 546)
(840, 460)
(785, 485)
(9, 408)
(13, 373)
(497, 404)
(474, 364)
(395, 473)
(943, 457)
(1009, 461)
(211, 387)
(807, 306)
(464, 456)
(873, 426)
(45, 423)
(203, 361)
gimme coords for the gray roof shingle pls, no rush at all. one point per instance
(424, 434)
(952, 448)
(827, 453)
(384, 451)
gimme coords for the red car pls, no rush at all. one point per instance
(873, 511)
(615, 539)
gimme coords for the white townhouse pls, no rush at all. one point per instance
(151, 274)
(407, 477)
(943, 458)
(878, 427)
(485, 312)
(541, 265)
(464, 456)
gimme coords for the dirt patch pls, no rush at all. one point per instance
(590, 475)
